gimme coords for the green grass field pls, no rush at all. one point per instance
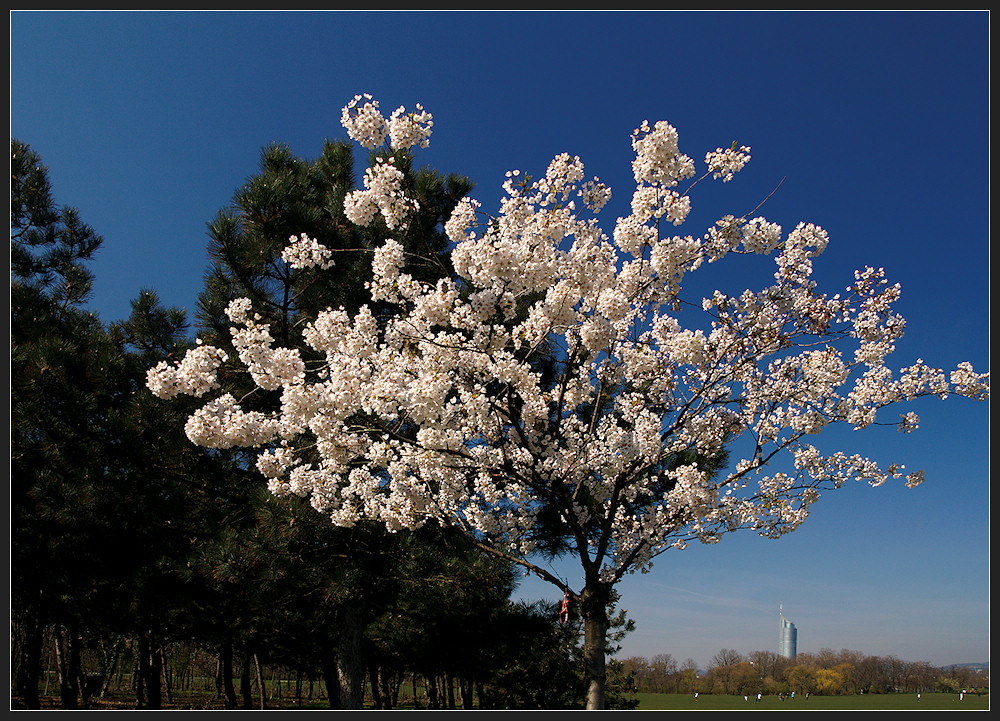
(866, 702)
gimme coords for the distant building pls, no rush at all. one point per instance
(787, 636)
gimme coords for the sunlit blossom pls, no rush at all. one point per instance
(555, 364)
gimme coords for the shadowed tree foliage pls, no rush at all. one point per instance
(59, 362)
(291, 196)
(103, 491)
(123, 533)
(174, 495)
(349, 575)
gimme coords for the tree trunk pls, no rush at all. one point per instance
(332, 677)
(138, 675)
(390, 688)
(376, 689)
(29, 660)
(594, 608)
(149, 666)
(68, 666)
(228, 690)
(450, 685)
(350, 670)
(111, 664)
(155, 670)
(246, 682)
(166, 674)
(260, 683)
(432, 691)
(465, 688)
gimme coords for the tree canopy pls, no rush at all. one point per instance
(127, 539)
(559, 377)
(414, 368)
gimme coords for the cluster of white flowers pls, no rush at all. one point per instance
(194, 375)
(967, 382)
(461, 218)
(305, 252)
(222, 423)
(409, 129)
(270, 368)
(367, 126)
(686, 347)
(364, 122)
(382, 194)
(658, 160)
(626, 387)
(730, 234)
(726, 163)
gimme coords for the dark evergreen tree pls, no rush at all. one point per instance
(122, 528)
(58, 357)
(173, 497)
(443, 600)
(290, 197)
(107, 496)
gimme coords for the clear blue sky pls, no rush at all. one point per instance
(877, 122)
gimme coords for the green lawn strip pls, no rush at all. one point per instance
(860, 702)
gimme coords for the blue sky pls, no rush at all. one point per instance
(875, 125)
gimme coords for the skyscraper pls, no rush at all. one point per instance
(787, 636)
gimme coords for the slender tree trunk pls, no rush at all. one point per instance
(376, 689)
(67, 664)
(111, 666)
(390, 689)
(246, 682)
(155, 673)
(331, 675)
(349, 667)
(149, 667)
(228, 690)
(168, 684)
(260, 682)
(432, 691)
(29, 662)
(32, 665)
(138, 673)
(450, 683)
(465, 688)
(594, 608)
(76, 663)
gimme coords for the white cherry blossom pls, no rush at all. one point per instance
(540, 280)
(557, 368)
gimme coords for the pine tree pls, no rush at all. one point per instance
(289, 197)
(170, 498)
(107, 496)
(58, 355)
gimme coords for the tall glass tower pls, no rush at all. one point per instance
(787, 636)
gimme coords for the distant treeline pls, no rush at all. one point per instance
(826, 672)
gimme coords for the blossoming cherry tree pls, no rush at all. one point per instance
(558, 389)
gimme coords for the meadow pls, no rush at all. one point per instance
(858, 702)
(647, 702)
